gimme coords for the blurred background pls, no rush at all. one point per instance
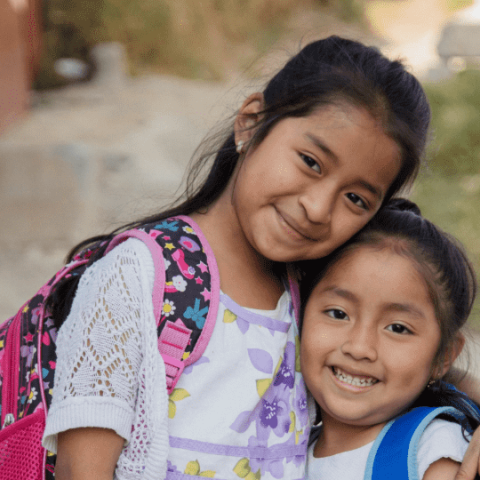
(102, 103)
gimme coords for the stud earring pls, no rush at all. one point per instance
(239, 147)
(431, 382)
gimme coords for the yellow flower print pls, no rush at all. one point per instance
(193, 468)
(243, 470)
(229, 317)
(168, 308)
(177, 395)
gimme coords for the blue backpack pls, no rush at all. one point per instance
(394, 453)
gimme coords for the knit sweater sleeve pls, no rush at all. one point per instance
(109, 373)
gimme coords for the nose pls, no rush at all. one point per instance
(318, 201)
(361, 343)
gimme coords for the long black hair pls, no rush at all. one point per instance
(329, 71)
(448, 275)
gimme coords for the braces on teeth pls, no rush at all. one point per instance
(355, 381)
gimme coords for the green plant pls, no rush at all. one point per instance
(449, 194)
(455, 149)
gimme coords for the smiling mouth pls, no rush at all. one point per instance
(293, 231)
(354, 380)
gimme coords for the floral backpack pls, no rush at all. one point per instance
(185, 299)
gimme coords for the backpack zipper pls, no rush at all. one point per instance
(11, 361)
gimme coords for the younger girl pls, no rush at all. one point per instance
(306, 164)
(381, 329)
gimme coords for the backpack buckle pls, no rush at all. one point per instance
(174, 369)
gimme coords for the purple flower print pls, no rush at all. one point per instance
(286, 373)
(300, 405)
(189, 369)
(298, 460)
(272, 465)
(273, 413)
(28, 351)
(171, 467)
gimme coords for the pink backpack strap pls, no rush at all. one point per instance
(207, 330)
(159, 267)
(294, 291)
(175, 337)
(172, 344)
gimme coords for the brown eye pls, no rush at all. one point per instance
(311, 163)
(337, 314)
(399, 329)
(356, 200)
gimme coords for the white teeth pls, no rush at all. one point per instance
(355, 381)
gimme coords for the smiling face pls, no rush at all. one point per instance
(313, 182)
(369, 338)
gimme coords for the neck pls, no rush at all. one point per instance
(338, 437)
(245, 275)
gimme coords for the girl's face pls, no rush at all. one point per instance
(369, 338)
(313, 182)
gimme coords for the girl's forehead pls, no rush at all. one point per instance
(388, 259)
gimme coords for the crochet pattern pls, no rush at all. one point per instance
(108, 356)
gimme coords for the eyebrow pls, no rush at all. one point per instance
(321, 145)
(347, 294)
(407, 308)
(318, 142)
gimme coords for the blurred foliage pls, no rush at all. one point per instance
(455, 149)
(347, 10)
(449, 192)
(197, 39)
(457, 4)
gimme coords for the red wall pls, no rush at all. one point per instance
(19, 55)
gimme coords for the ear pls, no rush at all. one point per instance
(247, 117)
(453, 351)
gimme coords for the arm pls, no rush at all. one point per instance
(101, 350)
(443, 469)
(471, 461)
(101, 446)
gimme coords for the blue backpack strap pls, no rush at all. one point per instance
(394, 453)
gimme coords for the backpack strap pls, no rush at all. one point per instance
(394, 453)
(186, 291)
(158, 263)
(294, 288)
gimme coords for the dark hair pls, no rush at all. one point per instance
(442, 263)
(329, 71)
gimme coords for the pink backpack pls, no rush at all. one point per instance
(27, 340)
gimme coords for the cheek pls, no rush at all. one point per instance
(347, 226)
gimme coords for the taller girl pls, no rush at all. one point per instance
(307, 163)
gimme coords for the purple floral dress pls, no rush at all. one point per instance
(241, 410)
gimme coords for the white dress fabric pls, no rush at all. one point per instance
(441, 439)
(239, 410)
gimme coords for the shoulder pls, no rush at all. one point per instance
(440, 440)
(131, 262)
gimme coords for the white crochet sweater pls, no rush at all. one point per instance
(109, 372)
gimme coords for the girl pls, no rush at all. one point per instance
(381, 328)
(306, 164)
